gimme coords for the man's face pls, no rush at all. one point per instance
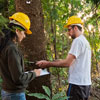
(71, 32)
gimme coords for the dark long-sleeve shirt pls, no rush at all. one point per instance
(12, 69)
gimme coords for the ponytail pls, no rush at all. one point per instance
(8, 35)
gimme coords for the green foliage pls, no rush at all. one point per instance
(3, 23)
(10, 9)
(0, 87)
(95, 1)
(2, 5)
(58, 96)
(11, 6)
(39, 95)
(47, 90)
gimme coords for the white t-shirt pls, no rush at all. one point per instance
(80, 70)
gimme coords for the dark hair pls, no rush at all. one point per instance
(9, 34)
(80, 28)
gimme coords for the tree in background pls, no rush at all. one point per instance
(34, 46)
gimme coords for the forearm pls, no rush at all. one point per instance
(58, 63)
(26, 77)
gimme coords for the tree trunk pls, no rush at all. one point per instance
(34, 45)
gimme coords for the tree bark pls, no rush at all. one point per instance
(34, 45)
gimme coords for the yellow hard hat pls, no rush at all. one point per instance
(23, 19)
(73, 20)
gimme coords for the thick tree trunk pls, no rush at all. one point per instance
(34, 45)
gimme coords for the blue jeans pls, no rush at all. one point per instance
(12, 96)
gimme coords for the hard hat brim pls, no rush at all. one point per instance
(28, 32)
(10, 18)
(65, 26)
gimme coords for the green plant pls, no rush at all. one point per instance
(58, 96)
(0, 86)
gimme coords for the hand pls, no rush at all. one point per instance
(37, 71)
(43, 63)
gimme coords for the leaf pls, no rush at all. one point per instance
(39, 95)
(47, 90)
(63, 98)
(56, 96)
(3, 20)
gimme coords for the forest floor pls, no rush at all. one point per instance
(95, 94)
(95, 89)
(61, 85)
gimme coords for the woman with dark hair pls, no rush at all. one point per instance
(15, 80)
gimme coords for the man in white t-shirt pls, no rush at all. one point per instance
(78, 61)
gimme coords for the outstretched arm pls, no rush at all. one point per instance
(57, 63)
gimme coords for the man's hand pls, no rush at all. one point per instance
(43, 63)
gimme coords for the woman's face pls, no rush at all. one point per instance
(20, 34)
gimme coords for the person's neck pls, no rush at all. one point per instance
(78, 34)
